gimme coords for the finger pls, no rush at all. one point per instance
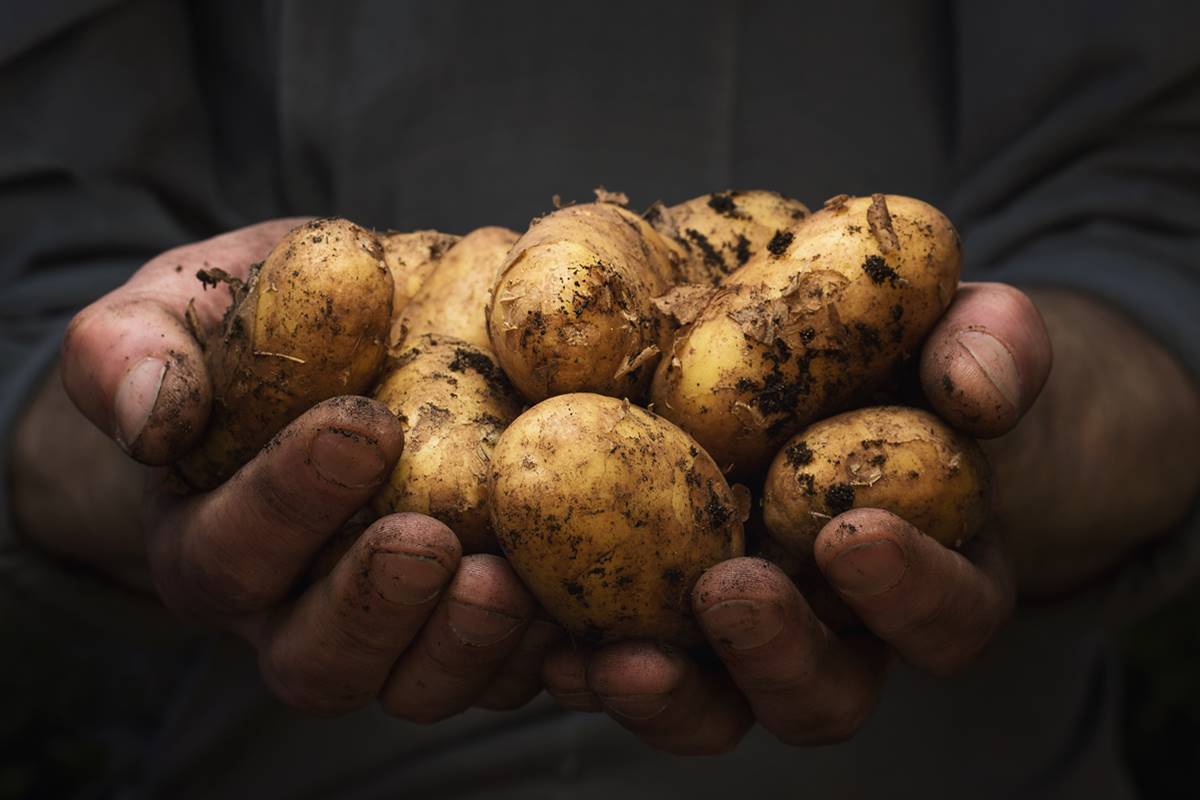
(239, 548)
(339, 543)
(564, 674)
(519, 679)
(472, 632)
(935, 607)
(806, 685)
(331, 651)
(658, 693)
(130, 362)
(986, 361)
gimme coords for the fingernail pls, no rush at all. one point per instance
(411, 580)
(479, 627)
(637, 706)
(346, 458)
(743, 624)
(995, 362)
(136, 396)
(868, 569)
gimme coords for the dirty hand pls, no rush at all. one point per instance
(338, 617)
(784, 668)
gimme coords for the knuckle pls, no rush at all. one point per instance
(838, 720)
(281, 504)
(408, 709)
(927, 612)
(847, 722)
(838, 731)
(726, 737)
(357, 637)
(1010, 300)
(73, 338)
(952, 659)
(773, 683)
(462, 663)
(222, 585)
(297, 687)
(508, 698)
(824, 729)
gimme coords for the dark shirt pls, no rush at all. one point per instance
(1062, 138)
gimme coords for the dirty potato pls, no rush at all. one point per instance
(814, 322)
(453, 402)
(452, 299)
(572, 308)
(411, 258)
(309, 324)
(902, 460)
(610, 514)
(720, 232)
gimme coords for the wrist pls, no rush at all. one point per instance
(74, 494)
(1099, 465)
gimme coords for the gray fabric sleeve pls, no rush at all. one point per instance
(1089, 178)
(104, 161)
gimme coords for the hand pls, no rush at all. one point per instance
(394, 612)
(783, 667)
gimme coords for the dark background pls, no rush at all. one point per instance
(1161, 709)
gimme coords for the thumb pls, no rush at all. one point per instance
(133, 365)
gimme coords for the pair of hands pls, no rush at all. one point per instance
(396, 612)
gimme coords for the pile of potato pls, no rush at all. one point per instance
(580, 396)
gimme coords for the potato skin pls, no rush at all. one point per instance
(572, 308)
(411, 257)
(453, 402)
(902, 460)
(809, 326)
(452, 299)
(720, 232)
(311, 323)
(610, 514)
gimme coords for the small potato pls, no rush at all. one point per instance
(610, 514)
(311, 323)
(452, 300)
(810, 325)
(453, 402)
(902, 460)
(721, 231)
(572, 309)
(411, 258)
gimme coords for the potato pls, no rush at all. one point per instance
(610, 514)
(453, 401)
(902, 460)
(452, 299)
(817, 321)
(572, 308)
(721, 231)
(311, 323)
(411, 258)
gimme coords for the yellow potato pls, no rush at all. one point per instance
(411, 258)
(572, 309)
(610, 514)
(720, 232)
(311, 323)
(902, 460)
(814, 323)
(453, 402)
(452, 299)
